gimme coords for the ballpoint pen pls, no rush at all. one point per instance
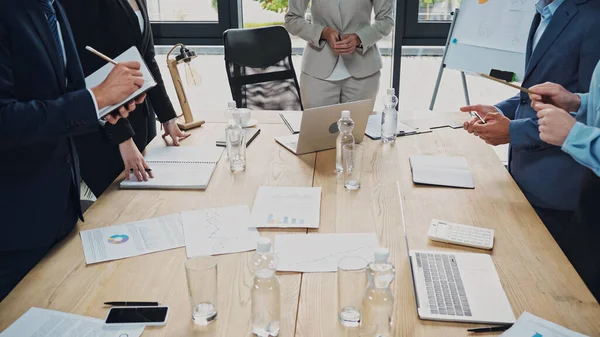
(491, 328)
(132, 304)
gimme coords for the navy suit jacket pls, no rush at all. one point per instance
(42, 104)
(566, 54)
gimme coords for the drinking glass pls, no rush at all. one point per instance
(201, 274)
(352, 154)
(352, 282)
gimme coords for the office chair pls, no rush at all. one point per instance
(260, 69)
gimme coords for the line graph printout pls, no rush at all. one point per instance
(495, 24)
(320, 253)
(287, 207)
(218, 231)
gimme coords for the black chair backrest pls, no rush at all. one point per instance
(260, 69)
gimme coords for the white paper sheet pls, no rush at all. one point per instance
(132, 239)
(218, 231)
(531, 325)
(37, 322)
(314, 253)
(287, 207)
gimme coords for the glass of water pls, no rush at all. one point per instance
(201, 274)
(352, 155)
(352, 282)
(236, 148)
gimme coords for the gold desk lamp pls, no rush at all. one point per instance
(185, 56)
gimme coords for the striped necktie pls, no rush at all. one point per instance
(51, 17)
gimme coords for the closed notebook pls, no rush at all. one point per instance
(293, 120)
(441, 171)
(181, 167)
(251, 134)
(131, 54)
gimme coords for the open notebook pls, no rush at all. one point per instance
(441, 171)
(131, 54)
(184, 167)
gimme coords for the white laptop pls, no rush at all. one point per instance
(319, 131)
(458, 287)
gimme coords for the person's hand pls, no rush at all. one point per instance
(330, 35)
(172, 130)
(554, 124)
(123, 80)
(482, 110)
(134, 161)
(555, 94)
(347, 44)
(496, 131)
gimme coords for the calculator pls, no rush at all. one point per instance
(448, 232)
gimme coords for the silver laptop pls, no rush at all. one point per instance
(319, 131)
(458, 287)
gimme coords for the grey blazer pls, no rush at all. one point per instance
(352, 16)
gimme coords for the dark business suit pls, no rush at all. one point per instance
(567, 53)
(112, 27)
(42, 105)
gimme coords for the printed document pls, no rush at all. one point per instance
(287, 207)
(37, 322)
(132, 239)
(218, 231)
(531, 325)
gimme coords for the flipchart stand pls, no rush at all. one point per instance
(443, 66)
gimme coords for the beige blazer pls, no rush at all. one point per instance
(352, 16)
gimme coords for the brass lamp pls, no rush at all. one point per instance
(185, 57)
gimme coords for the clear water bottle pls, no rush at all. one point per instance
(235, 138)
(231, 108)
(378, 301)
(265, 293)
(345, 125)
(389, 118)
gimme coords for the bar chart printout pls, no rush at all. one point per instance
(287, 207)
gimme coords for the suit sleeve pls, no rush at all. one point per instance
(509, 107)
(297, 25)
(524, 132)
(24, 123)
(384, 22)
(158, 95)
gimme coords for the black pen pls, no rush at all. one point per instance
(147, 170)
(491, 328)
(132, 304)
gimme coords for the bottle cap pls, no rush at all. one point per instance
(232, 105)
(345, 114)
(382, 255)
(264, 245)
(391, 91)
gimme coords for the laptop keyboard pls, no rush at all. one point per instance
(445, 289)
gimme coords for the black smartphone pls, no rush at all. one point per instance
(150, 316)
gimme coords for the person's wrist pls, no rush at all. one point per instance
(126, 143)
(169, 122)
(100, 99)
(575, 103)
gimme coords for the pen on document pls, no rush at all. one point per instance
(106, 58)
(132, 304)
(491, 328)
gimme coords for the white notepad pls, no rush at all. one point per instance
(178, 167)
(287, 207)
(320, 253)
(131, 54)
(441, 171)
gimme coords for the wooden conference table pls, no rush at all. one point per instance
(535, 273)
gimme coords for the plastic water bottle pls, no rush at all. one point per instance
(235, 138)
(231, 108)
(378, 301)
(389, 118)
(265, 293)
(345, 125)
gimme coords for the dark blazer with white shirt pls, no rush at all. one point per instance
(111, 27)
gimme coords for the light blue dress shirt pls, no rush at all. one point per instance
(546, 8)
(583, 142)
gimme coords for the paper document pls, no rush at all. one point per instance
(251, 134)
(293, 120)
(532, 326)
(218, 231)
(178, 167)
(131, 54)
(287, 207)
(320, 253)
(441, 171)
(132, 239)
(37, 322)
(373, 130)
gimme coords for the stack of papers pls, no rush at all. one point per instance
(532, 326)
(38, 322)
(320, 253)
(132, 239)
(218, 231)
(287, 207)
